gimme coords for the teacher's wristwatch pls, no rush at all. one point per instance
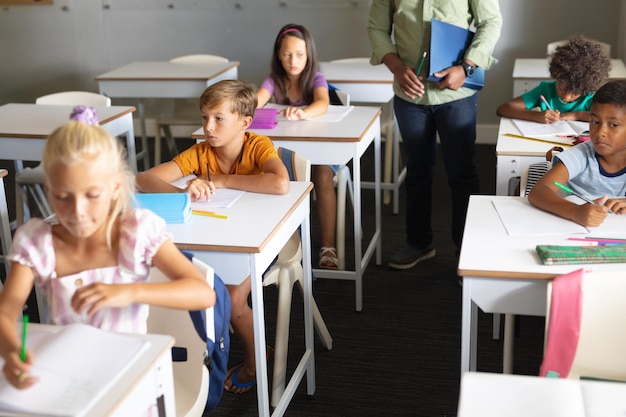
(468, 68)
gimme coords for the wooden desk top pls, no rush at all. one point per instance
(38, 121)
(538, 68)
(165, 70)
(488, 251)
(252, 221)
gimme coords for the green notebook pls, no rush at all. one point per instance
(556, 255)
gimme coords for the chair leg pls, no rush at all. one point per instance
(281, 342)
(170, 141)
(343, 175)
(157, 144)
(319, 323)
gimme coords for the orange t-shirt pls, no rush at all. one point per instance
(257, 150)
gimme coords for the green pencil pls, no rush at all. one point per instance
(24, 331)
(419, 68)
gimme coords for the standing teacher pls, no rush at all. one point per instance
(424, 108)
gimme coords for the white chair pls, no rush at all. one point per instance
(191, 377)
(606, 48)
(584, 326)
(184, 113)
(284, 273)
(29, 181)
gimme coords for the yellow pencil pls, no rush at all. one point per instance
(209, 214)
(511, 135)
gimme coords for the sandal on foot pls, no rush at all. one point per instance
(328, 258)
(243, 387)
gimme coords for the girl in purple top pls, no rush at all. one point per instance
(294, 80)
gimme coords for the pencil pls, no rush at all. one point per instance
(419, 68)
(546, 102)
(582, 197)
(24, 332)
(209, 214)
(208, 172)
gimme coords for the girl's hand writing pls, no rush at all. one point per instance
(17, 372)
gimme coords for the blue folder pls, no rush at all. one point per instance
(172, 207)
(447, 47)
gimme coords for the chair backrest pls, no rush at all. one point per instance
(606, 48)
(584, 331)
(191, 377)
(199, 59)
(298, 166)
(85, 98)
(531, 175)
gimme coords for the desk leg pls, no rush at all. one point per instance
(358, 253)
(509, 341)
(260, 355)
(307, 289)
(469, 328)
(377, 198)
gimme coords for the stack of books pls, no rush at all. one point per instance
(172, 207)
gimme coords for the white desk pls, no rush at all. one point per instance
(368, 83)
(330, 143)
(502, 274)
(513, 155)
(529, 72)
(257, 228)
(497, 395)
(148, 379)
(25, 127)
(162, 79)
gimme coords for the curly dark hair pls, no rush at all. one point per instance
(580, 66)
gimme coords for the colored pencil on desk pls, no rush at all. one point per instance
(209, 214)
(511, 135)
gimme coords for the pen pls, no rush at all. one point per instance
(209, 214)
(570, 191)
(546, 102)
(419, 68)
(24, 331)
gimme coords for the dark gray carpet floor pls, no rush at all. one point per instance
(400, 356)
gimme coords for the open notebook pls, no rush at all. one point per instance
(76, 365)
(223, 197)
(570, 127)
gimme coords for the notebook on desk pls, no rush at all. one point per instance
(76, 365)
(563, 127)
(448, 44)
(172, 207)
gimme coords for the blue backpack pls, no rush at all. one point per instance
(217, 351)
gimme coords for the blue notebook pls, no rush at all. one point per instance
(172, 207)
(447, 47)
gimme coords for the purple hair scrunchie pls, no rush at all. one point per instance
(85, 114)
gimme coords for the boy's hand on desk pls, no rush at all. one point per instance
(200, 189)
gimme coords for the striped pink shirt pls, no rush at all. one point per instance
(141, 234)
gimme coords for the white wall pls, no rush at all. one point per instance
(65, 46)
